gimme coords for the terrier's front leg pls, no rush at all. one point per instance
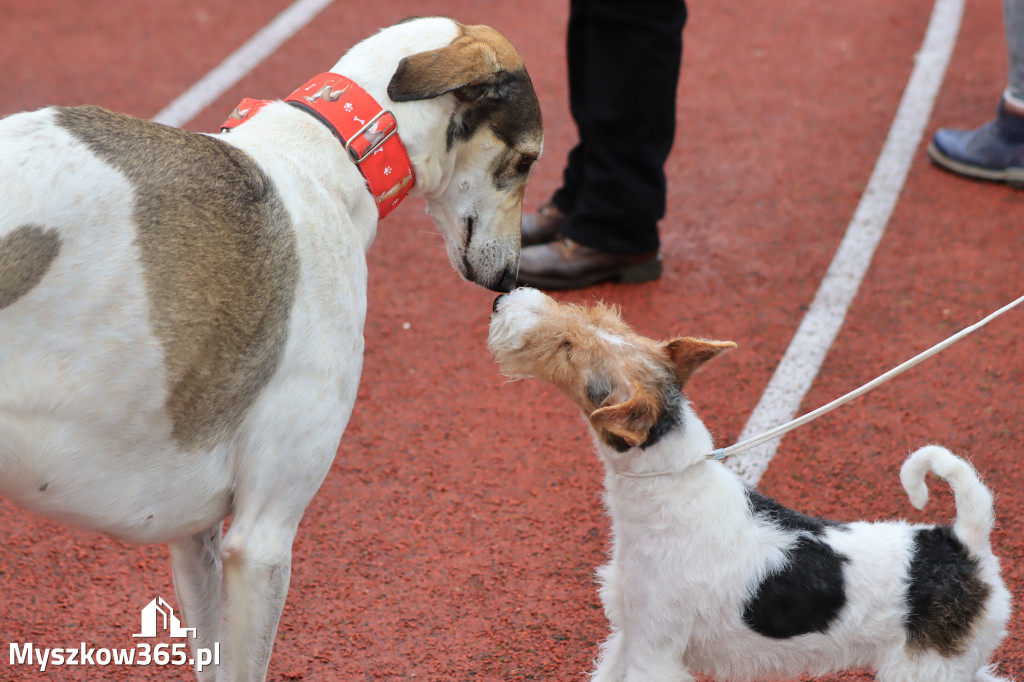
(609, 661)
(654, 664)
(621, 663)
(626, 658)
(635, 652)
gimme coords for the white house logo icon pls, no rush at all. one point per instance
(170, 621)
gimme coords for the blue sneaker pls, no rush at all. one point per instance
(995, 151)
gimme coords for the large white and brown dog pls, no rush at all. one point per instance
(709, 576)
(181, 315)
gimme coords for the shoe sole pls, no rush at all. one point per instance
(633, 274)
(1011, 176)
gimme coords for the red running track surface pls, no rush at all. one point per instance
(457, 534)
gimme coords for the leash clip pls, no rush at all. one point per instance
(371, 136)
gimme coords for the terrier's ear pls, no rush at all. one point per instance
(631, 420)
(688, 354)
(467, 66)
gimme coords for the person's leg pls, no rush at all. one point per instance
(624, 62)
(546, 224)
(1013, 18)
(564, 199)
(995, 151)
(624, 72)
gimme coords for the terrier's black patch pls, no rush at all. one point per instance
(670, 419)
(945, 594)
(806, 594)
(599, 386)
(766, 509)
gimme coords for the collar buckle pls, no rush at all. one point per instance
(371, 136)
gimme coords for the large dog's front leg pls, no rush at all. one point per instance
(270, 493)
(196, 565)
(257, 568)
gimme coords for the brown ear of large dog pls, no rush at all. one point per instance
(478, 57)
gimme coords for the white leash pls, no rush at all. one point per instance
(722, 453)
(778, 431)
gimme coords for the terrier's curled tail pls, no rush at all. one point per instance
(974, 514)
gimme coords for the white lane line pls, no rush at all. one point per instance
(802, 360)
(240, 62)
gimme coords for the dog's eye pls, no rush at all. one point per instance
(566, 347)
(525, 164)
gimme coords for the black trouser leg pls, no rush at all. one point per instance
(624, 62)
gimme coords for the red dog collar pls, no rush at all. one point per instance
(367, 131)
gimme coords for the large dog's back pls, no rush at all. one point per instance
(72, 295)
(146, 281)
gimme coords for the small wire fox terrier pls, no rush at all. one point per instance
(707, 575)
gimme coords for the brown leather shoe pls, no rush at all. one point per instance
(543, 226)
(566, 264)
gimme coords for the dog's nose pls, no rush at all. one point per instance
(497, 299)
(508, 280)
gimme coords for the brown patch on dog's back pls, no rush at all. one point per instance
(220, 263)
(25, 255)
